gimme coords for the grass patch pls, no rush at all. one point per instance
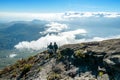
(54, 76)
(79, 54)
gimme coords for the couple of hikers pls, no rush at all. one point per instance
(52, 48)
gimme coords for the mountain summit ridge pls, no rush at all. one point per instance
(91, 60)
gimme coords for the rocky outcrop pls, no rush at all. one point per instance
(84, 61)
(112, 63)
(113, 60)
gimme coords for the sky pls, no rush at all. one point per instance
(97, 20)
(50, 6)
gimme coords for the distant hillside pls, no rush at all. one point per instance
(84, 61)
(14, 32)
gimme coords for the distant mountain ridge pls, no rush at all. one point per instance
(14, 32)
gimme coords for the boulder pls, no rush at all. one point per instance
(113, 61)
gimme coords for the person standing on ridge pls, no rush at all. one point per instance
(55, 46)
(50, 48)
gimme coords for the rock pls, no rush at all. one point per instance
(113, 60)
(72, 73)
(57, 70)
(103, 77)
(85, 76)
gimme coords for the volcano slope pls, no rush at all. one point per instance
(82, 61)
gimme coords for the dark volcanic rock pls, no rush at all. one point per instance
(113, 60)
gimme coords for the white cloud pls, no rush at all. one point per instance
(12, 16)
(100, 38)
(55, 27)
(12, 55)
(112, 15)
(91, 14)
(61, 38)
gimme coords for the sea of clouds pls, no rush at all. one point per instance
(72, 27)
(58, 35)
(12, 16)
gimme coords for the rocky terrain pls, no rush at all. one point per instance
(84, 61)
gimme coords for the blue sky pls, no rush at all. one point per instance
(59, 5)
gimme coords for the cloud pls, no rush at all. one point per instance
(100, 38)
(12, 16)
(12, 55)
(68, 37)
(55, 27)
(79, 35)
(61, 38)
(91, 14)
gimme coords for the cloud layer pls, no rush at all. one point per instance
(54, 27)
(61, 38)
(11, 16)
(12, 55)
(83, 27)
(91, 14)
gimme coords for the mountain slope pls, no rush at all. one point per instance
(15, 32)
(92, 60)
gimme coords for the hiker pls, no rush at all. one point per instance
(55, 46)
(50, 48)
